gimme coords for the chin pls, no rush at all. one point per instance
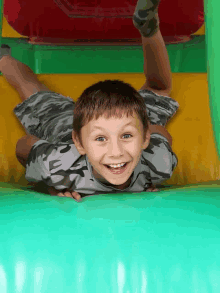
(122, 184)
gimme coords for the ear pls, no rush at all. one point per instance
(147, 140)
(78, 145)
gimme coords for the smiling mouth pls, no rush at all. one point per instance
(115, 164)
(119, 168)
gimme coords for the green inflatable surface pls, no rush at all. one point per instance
(212, 22)
(161, 242)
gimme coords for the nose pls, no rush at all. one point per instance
(115, 148)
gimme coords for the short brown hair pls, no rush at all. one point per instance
(111, 98)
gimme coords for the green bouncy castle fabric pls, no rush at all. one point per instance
(212, 21)
(146, 242)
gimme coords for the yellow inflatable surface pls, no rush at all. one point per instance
(191, 128)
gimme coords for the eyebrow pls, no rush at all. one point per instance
(99, 127)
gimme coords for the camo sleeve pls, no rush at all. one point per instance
(160, 159)
(51, 163)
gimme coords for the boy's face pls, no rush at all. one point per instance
(113, 143)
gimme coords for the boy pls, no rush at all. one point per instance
(67, 155)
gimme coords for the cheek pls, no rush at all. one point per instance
(95, 152)
(134, 147)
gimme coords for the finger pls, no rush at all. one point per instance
(76, 195)
(68, 194)
(61, 194)
(150, 189)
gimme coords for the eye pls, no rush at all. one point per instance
(103, 136)
(128, 134)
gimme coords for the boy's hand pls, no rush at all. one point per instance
(152, 188)
(72, 194)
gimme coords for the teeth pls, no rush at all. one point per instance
(117, 166)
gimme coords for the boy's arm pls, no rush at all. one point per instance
(161, 130)
(24, 146)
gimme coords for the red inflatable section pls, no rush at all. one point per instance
(69, 20)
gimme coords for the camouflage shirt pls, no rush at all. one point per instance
(60, 165)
